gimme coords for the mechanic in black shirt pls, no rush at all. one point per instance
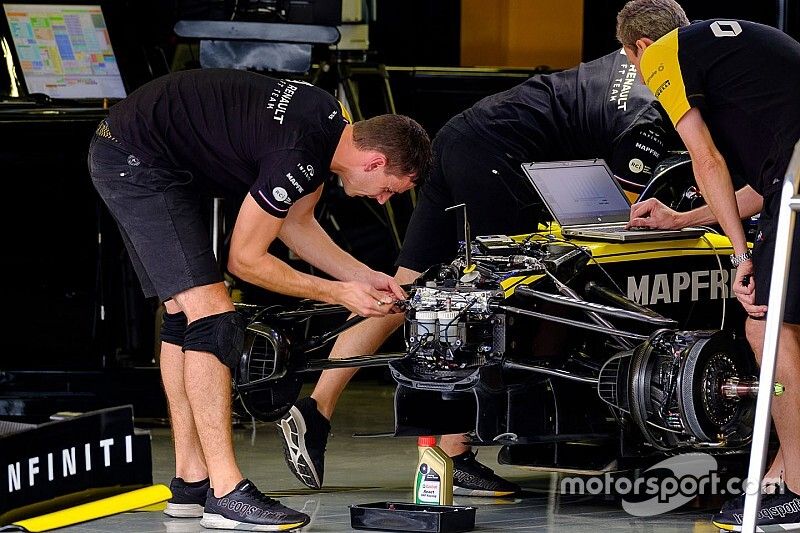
(268, 145)
(597, 109)
(731, 88)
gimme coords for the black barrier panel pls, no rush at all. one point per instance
(67, 462)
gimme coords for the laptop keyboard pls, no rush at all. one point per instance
(615, 229)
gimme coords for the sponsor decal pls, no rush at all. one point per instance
(771, 513)
(280, 194)
(661, 88)
(726, 28)
(294, 182)
(651, 135)
(133, 161)
(332, 115)
(64, 463)
(245, 509)
(647, 149)
(676, 287)
(306, 170)
(273, 206)
(658, 69)
(636, 165)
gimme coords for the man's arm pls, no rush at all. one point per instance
(249, 259)
(651, 213)
(365, 338)
(303, 234)
(712, 177)
(715, 183)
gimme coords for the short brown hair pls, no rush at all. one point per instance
(401, 139)
(650, 19)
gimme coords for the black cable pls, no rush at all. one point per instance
(262, 312)
(552, 238)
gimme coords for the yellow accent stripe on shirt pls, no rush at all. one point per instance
(661, 71)
(345, 112)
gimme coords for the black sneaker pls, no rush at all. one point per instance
(471, 478)
(738, 501)
(247, 508)
(305, 434)
(778, 512)
(188, 498)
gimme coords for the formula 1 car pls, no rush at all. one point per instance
(572, 354)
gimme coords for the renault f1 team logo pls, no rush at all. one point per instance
(280, 194)
(726, 28)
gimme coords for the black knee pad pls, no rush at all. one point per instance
(173, 328)
(221, 335)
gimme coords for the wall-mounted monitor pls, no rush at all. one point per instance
(64, 51)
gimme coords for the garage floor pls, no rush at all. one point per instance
(363, 470)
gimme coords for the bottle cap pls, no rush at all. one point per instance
(426, 441)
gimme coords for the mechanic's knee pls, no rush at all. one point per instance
(221, 335)
(173, 328)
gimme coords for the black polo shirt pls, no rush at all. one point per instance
(592, 110)
(745, 80)
(235, 131)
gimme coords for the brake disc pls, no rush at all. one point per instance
(706, 413)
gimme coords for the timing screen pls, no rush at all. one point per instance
(64, 50)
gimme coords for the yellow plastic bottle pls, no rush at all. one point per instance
(433, 482)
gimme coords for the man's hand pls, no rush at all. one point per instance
(653, 214)
(386, 283)
(744, 286)
(363, 299)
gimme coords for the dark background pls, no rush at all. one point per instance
(72, 298)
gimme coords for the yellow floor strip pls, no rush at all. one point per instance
(156, 507)
(129, 501)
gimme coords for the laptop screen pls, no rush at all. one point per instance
(64, 50)
(579, 192)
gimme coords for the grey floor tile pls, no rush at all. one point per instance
(363, 470)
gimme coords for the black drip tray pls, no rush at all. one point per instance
(398, 516)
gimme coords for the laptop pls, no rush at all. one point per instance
(587, 202)
(64, 54)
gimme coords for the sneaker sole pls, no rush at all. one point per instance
(216, 521)
(183, 510)
(775, 528)
(293, 426)
(460, 491)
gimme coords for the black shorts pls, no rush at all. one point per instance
(763, 257)
(498, 196)
(158, 212)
